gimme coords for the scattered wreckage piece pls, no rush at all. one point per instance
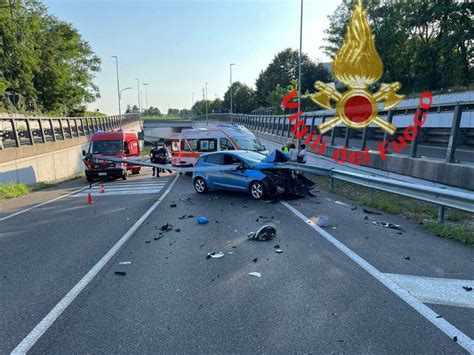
(371, 212)
(265, 233)
(166, 227)
(215, 255)
(387, 225)
(256, 274)
(202, 220)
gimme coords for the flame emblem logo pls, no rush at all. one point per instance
(357, 65)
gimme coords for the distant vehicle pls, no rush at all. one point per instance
(189, 145)
(259, 175)
(116, 144)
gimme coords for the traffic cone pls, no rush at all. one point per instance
(102, 189)
(89, 200)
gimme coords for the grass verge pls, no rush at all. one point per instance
(458, 225)
(16, 189)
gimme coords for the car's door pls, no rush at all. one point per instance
(211, 177)
(235, 179)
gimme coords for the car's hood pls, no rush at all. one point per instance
(277, 156)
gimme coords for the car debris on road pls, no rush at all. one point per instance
(202, 220)
(387, 225)
(256, 274)
(215, 255)
(265, 233)
(371, 212)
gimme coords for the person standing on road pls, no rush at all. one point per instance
(286, 147)
(154, 155)
(301, 156)
(164, 156)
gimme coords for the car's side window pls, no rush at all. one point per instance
(225, 144)
(230, 159)
(213, 159)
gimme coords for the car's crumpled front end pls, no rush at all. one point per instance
(287, 181)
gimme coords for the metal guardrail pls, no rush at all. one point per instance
(26, 131)
(439, 196)
(452, 137)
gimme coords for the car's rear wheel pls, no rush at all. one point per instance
(200, 185)
(258, 190)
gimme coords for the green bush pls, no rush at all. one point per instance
(12, 189)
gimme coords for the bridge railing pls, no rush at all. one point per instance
(449, 130)
(23, 131)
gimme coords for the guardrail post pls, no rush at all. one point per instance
(371, 194)
(30, 132)
(15, 132)
(312, 125)
(53, 134)
(77, 127)
(40, 124)
(347, 137)
(365, 133)
(453, 137)
(414, 144)
(61, 129)
(333, 136)
(83, 128)
(69, 127)
(389, 120)
(331, 183)
(441, 212)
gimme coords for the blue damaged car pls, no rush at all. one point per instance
(261, 176)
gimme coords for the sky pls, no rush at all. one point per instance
(178, 46)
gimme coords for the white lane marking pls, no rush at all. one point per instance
(436, 290)
(44, 203)
(442, 324)
(120, 193)
(30, 340)
(121, 189)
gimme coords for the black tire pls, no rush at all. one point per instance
(200, 185)
(258, 190)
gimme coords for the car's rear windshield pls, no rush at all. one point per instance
(107, 147)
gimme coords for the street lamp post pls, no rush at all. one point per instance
(138, 93)
(118, 84)
(192, 105)
(146, 97)
(231, 95)
(120, 98)
(141, 101)
(299, 65)
(207, 117)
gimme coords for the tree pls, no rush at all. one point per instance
(283, 69)
(152, 111)
(243, 97)
(173, 112)
(44, 63)
(426, 45)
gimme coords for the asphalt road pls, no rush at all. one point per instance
(313, 297)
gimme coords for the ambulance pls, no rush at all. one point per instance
(187, 146)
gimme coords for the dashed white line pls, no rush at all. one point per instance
(30, 340)
(442, 324)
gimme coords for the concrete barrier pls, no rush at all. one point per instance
(47, 162)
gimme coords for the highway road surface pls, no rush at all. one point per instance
(104, 278)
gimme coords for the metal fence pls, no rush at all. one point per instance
(17, 132)
(449, 135)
